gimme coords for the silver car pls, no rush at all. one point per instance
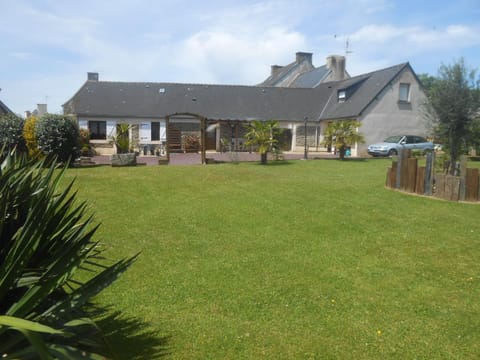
(392, 145)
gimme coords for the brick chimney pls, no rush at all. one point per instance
(303, 56)
(41, 109)
(336, 63)
(92, 76)
(275, 69)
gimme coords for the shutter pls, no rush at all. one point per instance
(111, 128)
(145, 132)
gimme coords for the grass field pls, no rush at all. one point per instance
(294, 260)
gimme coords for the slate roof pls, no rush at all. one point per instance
(4, 108)
(227, 102)
(230, 102)
(365, 88)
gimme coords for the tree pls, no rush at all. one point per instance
(50, 265)
(427, 81)
(58, 135)
(343, 134)
(11, 132)
(264, 135)
(452, 108)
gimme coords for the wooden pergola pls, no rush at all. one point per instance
(203, 122)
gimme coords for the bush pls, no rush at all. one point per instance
(85, 148)
(46, 241)
(30, 137)
(11, 132)
(58, 135)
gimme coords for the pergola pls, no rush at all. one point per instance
(203, 122)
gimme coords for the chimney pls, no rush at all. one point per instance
(28, 113)
(41, 109)
(336, 63)
(92, 76)
(302, 56)
(275, 69)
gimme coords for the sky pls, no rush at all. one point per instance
(48, 46)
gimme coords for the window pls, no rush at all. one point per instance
(155, 128)
(342, 95)
(404, 94)
(98, 130)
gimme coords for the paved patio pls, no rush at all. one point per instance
(194, 159)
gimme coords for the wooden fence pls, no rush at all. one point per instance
(406, 175)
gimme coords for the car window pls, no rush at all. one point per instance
(419, 139)
(393, 139)
(411, 139)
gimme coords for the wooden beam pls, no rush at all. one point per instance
(203, 137)
(167, 129)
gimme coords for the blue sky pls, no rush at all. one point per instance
(48, 46)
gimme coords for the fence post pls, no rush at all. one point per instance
(398, 179)
(463, 176)
(429, 171)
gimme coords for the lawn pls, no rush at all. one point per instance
(294, 260)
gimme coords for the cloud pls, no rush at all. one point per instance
(223, 56)
(421, 37)
(21, 55)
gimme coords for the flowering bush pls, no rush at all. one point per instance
(31, 137)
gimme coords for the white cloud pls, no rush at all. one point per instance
(221, 56)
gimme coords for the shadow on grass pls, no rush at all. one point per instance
(129, 338)
(273, 163)
(349, 159)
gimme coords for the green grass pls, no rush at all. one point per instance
(305, 260)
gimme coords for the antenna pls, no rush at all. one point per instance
(347, 47)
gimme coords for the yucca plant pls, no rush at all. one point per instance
(50, 265)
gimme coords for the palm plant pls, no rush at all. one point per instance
(263, 135)
(46, 248)
(121, 139)
(342, 134)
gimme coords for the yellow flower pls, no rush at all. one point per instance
(379, 332)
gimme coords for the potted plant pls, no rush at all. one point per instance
(124, 156)
(191, 143)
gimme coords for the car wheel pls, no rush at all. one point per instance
(392, 152)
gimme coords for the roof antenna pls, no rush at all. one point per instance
(347, 47)
(347, 43)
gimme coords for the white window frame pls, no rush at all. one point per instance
(404, 92)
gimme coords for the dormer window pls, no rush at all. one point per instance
(404, 93)
(342, 96)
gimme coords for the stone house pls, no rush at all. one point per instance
(303, 98)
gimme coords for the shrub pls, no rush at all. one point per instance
(85, 148)
(30, 137)
(58, 135)
(11, 132)
(46, 240)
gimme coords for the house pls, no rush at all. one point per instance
(303, 98)
(38, 112)
(4, 109)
